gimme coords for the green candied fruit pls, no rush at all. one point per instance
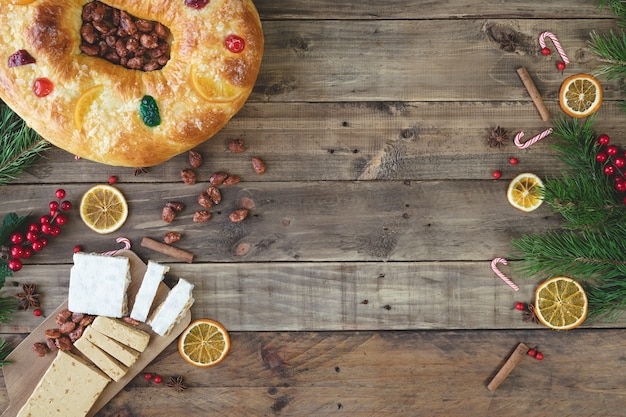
(149, 111)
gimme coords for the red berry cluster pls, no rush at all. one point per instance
(35, 238)
(535, 353)
(149, 377)
(613, 161)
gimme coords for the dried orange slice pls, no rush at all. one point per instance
(580, 95)
(212, 88)
(524, 192)
(204, 343)
(103, 208)
(561, 303)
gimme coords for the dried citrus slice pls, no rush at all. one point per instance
(204, 343)
(212, 88)
(561, 303)
(103, 208)
(581, 95)
(81, 111)
(524, 192)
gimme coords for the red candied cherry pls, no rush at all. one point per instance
(532, 352)
(54, 205)
(196, 4)
(513, 161)
(611, 150)
(31, 236)
(17, 251)
(235, 44)
(61, 219)
(619, 162)
(77, 248)
(15, 265)
(20, 57)
(158, 379)
(60, 193)
(520, 306)
(496, 174)
(609, 170)
(601, 157)
(112, 179)
(42, 87)
(604, 140)
(37, 312)
(16, 238)
(545, 51)
(560, 66)
(66, 205)
(28, 252)
(539, 356)
(37, 245)
(147, 376)
(55, 231)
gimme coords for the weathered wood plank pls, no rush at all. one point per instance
(330, 296)
(410, 61)
(419, 10)
(309, 221)
(391, 374)
(354, 141)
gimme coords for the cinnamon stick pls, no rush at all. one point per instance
(534, 93)
(516, 357)
(168, 250)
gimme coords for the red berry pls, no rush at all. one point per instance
(66, 205)
(545, 51)
(34, 227)
(16, 238)
(560, 66)
(513, 161)
(604, 140)
(147, 376)
(45, 228)
(496, 174)
(601, 157)
(235, 44)
(15, 265)
(112, 179)
(77, 249)
(60, 193)
(36, 312)
(520, 306)
(611, 150)
(55, 231)
(42, 87)
(539, 356)
(158, 379)
(28, 252)
(17, 251)
(619, 162)
(44, 219)
(54, 205)
(31, 236)
(61, 219)
(37, 246)
(532, 352)
(609, 170)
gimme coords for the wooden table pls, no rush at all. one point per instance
(361, 284)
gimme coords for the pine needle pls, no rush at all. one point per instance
(5, 349)
(20, 146)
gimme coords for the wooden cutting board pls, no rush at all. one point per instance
(26, 369)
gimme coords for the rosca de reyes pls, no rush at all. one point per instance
(128, 83)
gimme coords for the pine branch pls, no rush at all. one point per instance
(611, 50)
(20, 146)
(617, 7)
(5, 349)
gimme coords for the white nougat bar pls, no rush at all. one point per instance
(178, 301)
(147, 291)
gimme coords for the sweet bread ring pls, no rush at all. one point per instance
(197, 62)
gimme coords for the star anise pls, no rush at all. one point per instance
(508, 42)
(141, 170)
(28, 298)
(497, 137)
(529, 314)
(177, 384)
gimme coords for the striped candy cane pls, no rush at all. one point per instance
(494, 268)
(533, 140)
(123, 240)
(557, 45)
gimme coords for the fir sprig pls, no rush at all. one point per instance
(20, 145)
(590, 247)
(611, 50)
(617, 7)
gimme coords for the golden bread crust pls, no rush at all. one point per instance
(94, 108)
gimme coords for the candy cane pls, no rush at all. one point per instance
(532, 140)
(119, 240)
(555, 41)
(494, 267)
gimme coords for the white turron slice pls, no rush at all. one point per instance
(149, 286)
(178, 301)
(69, 388)
(98, 285)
